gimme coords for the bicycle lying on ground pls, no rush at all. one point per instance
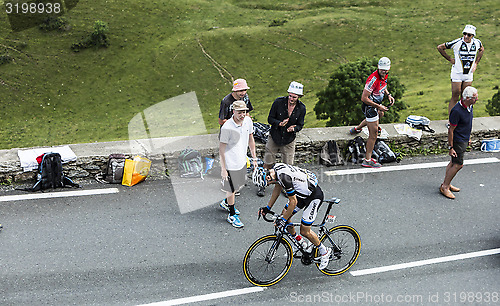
(270, 257)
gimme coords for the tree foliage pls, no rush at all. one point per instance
(340, 101)
(493, 105)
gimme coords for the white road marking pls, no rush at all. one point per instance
(361, 170)
(426, 262)
(207, 297)
(60, 194)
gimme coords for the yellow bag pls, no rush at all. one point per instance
(136, 170)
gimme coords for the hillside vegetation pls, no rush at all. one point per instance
(160, 49)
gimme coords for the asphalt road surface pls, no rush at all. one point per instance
(133, 246)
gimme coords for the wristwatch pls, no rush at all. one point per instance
(450, 147)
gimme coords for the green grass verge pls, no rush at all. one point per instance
(164, 48)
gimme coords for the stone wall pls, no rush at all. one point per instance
(308, 146)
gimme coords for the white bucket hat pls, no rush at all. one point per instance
(296, 88)
(469, 28)
(384, 63)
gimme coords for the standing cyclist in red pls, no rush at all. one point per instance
(373, 94)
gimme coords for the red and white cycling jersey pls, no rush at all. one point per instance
(376, 86)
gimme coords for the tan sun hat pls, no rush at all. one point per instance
(239, 105)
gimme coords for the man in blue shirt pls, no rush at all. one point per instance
(458, 138)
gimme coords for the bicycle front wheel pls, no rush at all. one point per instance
(267, 260)
(345, 244)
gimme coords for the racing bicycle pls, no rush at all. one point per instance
(269, 258)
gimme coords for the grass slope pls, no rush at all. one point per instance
(160, 49)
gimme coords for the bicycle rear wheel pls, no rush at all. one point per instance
(345, 244)
(267, 260)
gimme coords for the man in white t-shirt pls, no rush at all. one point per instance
(468, 51)
(236, 135)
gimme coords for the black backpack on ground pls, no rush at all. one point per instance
(383, 153)
(50, 174)
(330, 154)
(113, 174)
(261, 131)
(356, 150)
(190, 164)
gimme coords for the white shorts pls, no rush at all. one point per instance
(460, 77)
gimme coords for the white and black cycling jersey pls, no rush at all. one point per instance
(296, 181)
(465, 54)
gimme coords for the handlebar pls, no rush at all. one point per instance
(274, 215)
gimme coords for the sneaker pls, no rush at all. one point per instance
(1, 226)
(354, 131)
(261, 191)
(325, 259)
(235, 221)
(237, 193)
(372, 163)
(224, 206)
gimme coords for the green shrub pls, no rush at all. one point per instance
(54, 23)
(340, 101)
(5, 58)
(277, 23)
(493, 105)
(97, 38)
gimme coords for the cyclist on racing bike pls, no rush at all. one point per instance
(303, 192)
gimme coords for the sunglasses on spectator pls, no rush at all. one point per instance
(468, 34)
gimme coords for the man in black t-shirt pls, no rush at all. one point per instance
(239, 93)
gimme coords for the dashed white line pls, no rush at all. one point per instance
(60, 194)
(207, 297)
(361, 170)
(426, 262)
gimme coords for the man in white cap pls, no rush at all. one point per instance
(468, 51)
(372, 96)
(286, 118)
(236, 135)
(239, 92)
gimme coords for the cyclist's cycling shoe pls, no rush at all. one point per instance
(235, 221)
(325, 259)
(223, 205)
(354, 131)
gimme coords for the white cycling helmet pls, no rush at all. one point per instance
(259, 177)
(384, 63)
